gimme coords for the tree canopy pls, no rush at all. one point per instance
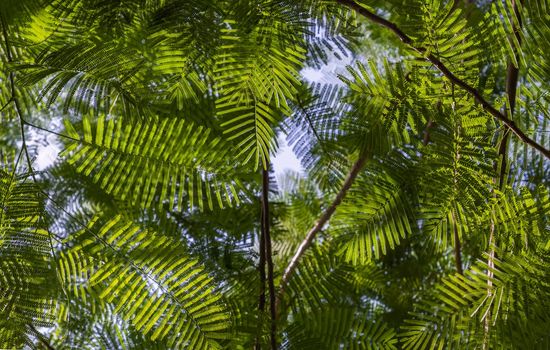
(140, 209)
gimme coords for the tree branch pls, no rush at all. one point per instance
(457, 247)
(327, 214)
(512, 78)
(488, 107)
(261, 268)
(14, 98)
(268, 256)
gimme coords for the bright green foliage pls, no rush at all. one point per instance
(429, 217)
(329, 328)
(28, 278)
(374, 220)
(255, 84)
(168, 160)
(385, 107)
(152, 284)
(518, 287)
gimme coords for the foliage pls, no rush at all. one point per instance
(424, 203)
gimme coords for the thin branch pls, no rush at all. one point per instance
(488, 107)
(310, 123)
(50, 131)
(512, 78)
(426, 138)
(261, 268)
(457, 247)
(268, 256)
(14, 98)
(327, 214)
(24, 149)
(22, 130)
(6, 104)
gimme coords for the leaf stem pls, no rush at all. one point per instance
(50, 131)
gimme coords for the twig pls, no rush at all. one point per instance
(512, 78)
(457, 245)
(268, 256)
(14, 98)
(447, 73)
(327, 214)
(50, 131)
(261, 268)
(6, 104)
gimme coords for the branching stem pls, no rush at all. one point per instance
(261, 269)
(407, 40)
(14, 98)
(268, 256)
(512, 78)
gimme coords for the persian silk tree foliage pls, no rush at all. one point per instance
(139, 209)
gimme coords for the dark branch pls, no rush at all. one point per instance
(6, 104)
(268, 256)
(457, 246)
(512, 78)
(14, 98)
(261, 268)
(488, 107)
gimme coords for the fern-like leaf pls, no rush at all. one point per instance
(168, 161)
(28, 288)
(150, 280)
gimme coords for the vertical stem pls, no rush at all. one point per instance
(490, 267)
(266, 259)
(458, 249)
(268, 256)
(261, 267)
(512, 77)
(456, 237)
(14, 98)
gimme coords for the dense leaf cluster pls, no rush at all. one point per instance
(421, 218)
